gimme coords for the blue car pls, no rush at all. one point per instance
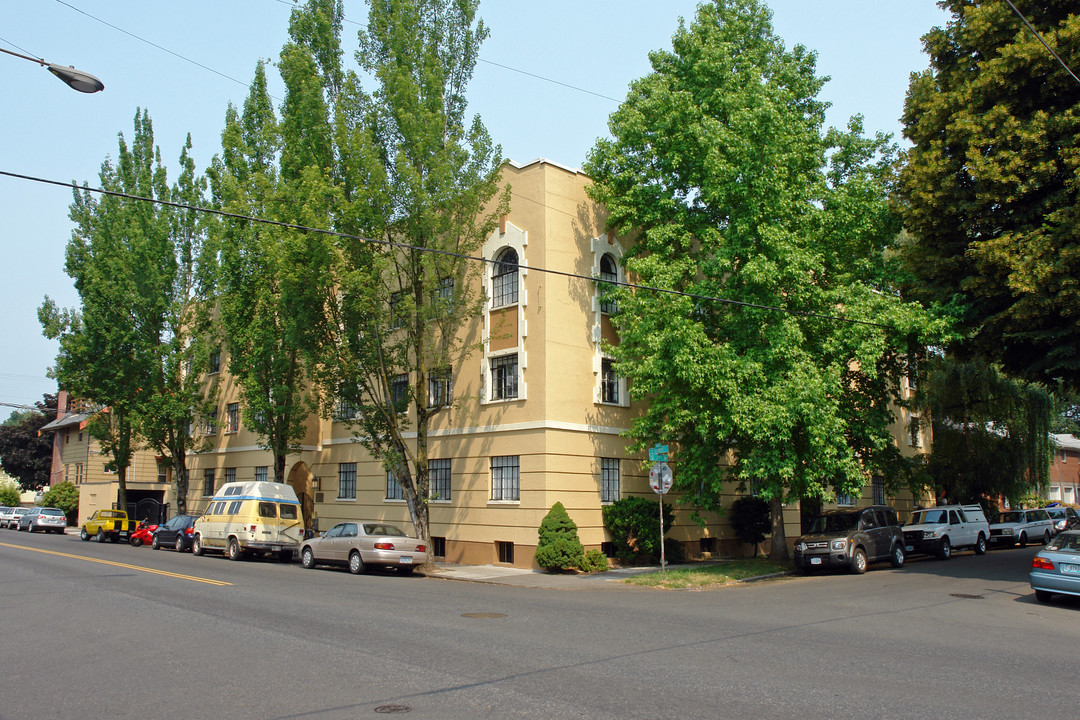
(1056, 568)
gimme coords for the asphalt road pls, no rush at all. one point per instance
(112, 631)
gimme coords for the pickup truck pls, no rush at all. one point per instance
(111, 524)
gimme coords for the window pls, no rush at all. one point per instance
(162, 471)
(439, 479)
(347, 481)
(440, 387)
(442, 299)
(844, 500)
(438, 546)
(288, 511)
(755, 487)
(397, 312)
(915, 432)
(505, 474)
(233, 491)
(79, 474)
(399, 390)
(344, 409)
(234, 507)
(1062, 452)
(215, 362)
(504, 380)
(393, 487)
(260, 473)
(208, 483)
(267, 510)
(504, 279)
(232, 417)
(609, 273)
(609, 480)
(230, 475)
(609, 382)
(912, 373)
(879, 490)
(505, 551)
(210, 426)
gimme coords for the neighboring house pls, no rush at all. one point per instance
(542, 407)
(1064, 484)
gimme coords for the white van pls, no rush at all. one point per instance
(250, 517)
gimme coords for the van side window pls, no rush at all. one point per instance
(234, 506)
(233, 490)
(267, 510)
(288, 512)
(219, 507)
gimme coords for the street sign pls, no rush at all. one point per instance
(660, 478)
(658, 453)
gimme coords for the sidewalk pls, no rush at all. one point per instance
(521, 577)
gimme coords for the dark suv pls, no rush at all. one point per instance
(851, 539)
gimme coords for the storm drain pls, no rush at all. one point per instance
(483, 616)
(964, 596)
(390, 709)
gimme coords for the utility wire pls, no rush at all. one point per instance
(1036, 34)
(444, 253)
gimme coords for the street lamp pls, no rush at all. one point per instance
(76, 79)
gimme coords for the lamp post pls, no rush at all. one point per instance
(75, 79)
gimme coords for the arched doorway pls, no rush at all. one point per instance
(300, 478)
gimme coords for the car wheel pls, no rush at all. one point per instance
(1046, 537)
(1043, 596)
(307, 558)
(179, 543)
(356, 563)
(135, 541)
(896, 559)
(405, 569)
(980, 545)
(196, 546)
(83, 535)
(100, 535)
(233, 549)
(155, 543)
(858, 561)
(944, 549)
(1023, 540)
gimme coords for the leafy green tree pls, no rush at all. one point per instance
(420, 179)
(750, 519)
(558, 546)
(25, 454)
(991, 431)
(65, 496)
(991, 188)
(720, 168)
(9, 492)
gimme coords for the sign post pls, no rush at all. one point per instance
(660, 481)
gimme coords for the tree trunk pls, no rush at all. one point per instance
(182, 480)
(778, 551)
(279, 467)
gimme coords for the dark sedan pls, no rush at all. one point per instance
(176, 533)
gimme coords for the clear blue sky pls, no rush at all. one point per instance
(867, 47)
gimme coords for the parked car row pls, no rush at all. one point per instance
(46, 519)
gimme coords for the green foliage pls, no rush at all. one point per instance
(9, 493)
(990, 188)
(719, 165)
(991, 432)
(751, 520)
(558, 547)
(65, 496)
(594, 561)
(674, 551)
(24, 454)
(635, 527)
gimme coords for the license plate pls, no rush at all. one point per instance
(276, 548)
(909, 548)
(405, 560)
(815, 561)
(1070, 568)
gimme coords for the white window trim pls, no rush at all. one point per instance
(518, 239)
(601, 247)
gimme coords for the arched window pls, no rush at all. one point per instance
(504, 279)
(609, 273)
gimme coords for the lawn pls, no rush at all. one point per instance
(709, 575)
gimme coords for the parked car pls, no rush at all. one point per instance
(1056, 567)
(245, 518)
(11, 520)
(938, 530)
(1063, 516)
(176, 532)
(115, 525)
(6, 513)
(358, 545)
(1019, 527)
(48, 519)
(851, 539)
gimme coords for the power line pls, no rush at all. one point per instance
(444, 253)
(1036, 34)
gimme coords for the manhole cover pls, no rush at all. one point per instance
(390, 709)
(483, 616)
(964, 596)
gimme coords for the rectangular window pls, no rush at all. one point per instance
(440, 388)
(504, 377)
(844, 500)
(438, 546)
(347, 481)
(230, 475)
(399, 390)
(344, 409)
(393, 487)
(210, 428)
(215, 362)
(609, 381)
(208, 483)
(397, 312)
(443, 297)
(609, 480)
(879, 490)
(260, 473)
(80, 476)
(505, 478)
(232, 412)
(162, 471)
(915, 432)
(439, 479)
(505, 551)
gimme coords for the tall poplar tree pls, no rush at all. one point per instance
(720, 167)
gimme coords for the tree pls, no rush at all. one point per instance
(991, 189)
(750, 519)
(65, 496)
(719, 167)
(991, 431)
(416, 179)
(9, 492)
(558, 546)
(25, 454)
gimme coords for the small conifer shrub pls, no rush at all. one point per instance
(559, 547)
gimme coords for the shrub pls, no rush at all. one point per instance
(594, 561)
(66, 497)
(559, 547)
(751, 520)
(674, 551)
(9, 494)
(634, 527)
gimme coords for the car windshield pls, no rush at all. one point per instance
(1009, 517)
(1066, 542)
(841, 522)
(923, 517)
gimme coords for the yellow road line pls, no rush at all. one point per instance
(178, 576)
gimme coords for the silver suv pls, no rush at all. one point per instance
(1019, 527)
(937, 530)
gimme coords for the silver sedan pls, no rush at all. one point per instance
(357, 545)
(1056, 568)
